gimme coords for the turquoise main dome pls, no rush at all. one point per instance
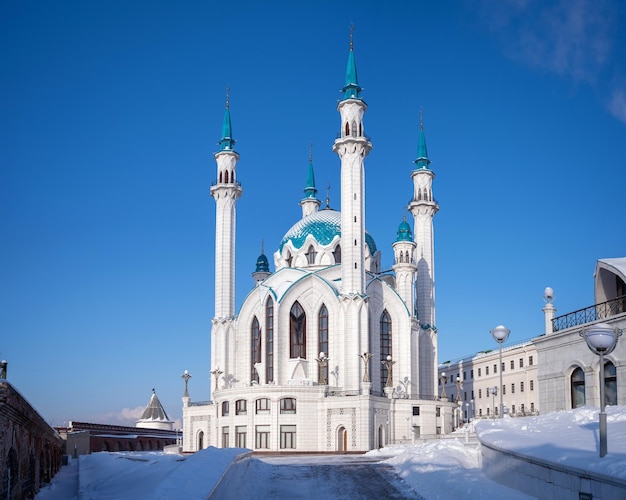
(323, 225)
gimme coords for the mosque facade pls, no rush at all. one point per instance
(327, 353)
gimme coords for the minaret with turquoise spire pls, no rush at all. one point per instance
(424, 207)
(352, 147)
(226, 191)
(404, 264)
(310, 204)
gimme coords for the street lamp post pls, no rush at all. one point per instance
(322, 361)
(500, 334)
(442, 379)
(458, 400)
(601, 339)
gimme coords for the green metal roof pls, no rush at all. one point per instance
(404, 232)
(227, 143)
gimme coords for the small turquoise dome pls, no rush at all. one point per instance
(262, 265)
(404, 232)
(323, 225)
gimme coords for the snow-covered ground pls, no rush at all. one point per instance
(446, 468)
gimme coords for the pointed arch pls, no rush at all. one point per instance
(310, 255)
(322, 344)
(354, 129)
(297, 331)
(577, 380)
(269, 340)
(226, 176)
(255, 349)
(337, 254)
(347, 129)
(385, 346)
(610, 384)
(220, 177)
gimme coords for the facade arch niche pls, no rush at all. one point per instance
(342, 439)
(577, 387)
(200, 440)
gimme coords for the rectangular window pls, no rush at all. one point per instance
(512, 365)
(480, 412)
(472, 373)
(512, 388)
(287, 405)
(532, 407)
(262, 437)
(530, 361)
(225, 437)
(513, 409)
(486, 370)
(532, 385)
(503, 390)
(464, 375)
(495, 368)
(288, 437)
(438, 430)
(502, 367)
(480, 393)
(240, 436)
(241, 406)
(416, 411)
(521, 362)
(225, 408)
(472, 393)
(479, 372)
(438, 411)
(522, 408)
(262, 406)
(464, 395)
(521, 387)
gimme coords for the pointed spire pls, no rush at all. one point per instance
(262, 264)
(328, 196)
(227, 142)
(422, 160)
(310, 191)
(351, 89)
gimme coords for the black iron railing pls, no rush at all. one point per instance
(596, 312)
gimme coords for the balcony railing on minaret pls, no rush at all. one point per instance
(603, 310)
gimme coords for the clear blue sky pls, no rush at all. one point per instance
(109, 117)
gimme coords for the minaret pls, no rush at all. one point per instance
(404, 264)
(310, 204)
(423, 207)
(352, 148)
(262, 267)
(226, 192)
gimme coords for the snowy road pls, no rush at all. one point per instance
(328, 477)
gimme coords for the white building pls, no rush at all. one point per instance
(470, 382)
(326, 353)
(569, 372)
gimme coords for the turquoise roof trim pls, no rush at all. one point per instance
(310, 190)
(227, 143)
(422, 160)
(395, 292)
(351, 89)
(323, 225)
(404, 232)
(262, 264)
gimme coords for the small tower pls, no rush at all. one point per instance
(424, 207)
(154, 416)
(262, 268)
(310, 204)
(352, 147)
(404, 264)
(226, 192)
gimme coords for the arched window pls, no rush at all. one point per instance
(255, 350)
(360, 130)
(220, 176)
(347, 129)
(385, 345)
(225, 408)
(337, 254)
(288, 258)
(323, 341)
(297, 332)
(419, 194)
(578, 388)
(288, 405)
(200, 440)
(353, 128)
(310, 255)
(610, 384)
(226, 176)
(269, 341)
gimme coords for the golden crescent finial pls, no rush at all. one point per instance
(227, 96)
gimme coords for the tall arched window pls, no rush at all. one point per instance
(255, 350)
(337, 254)
(578, 388)
(226, 176)
(269, 341)
(310, 255)
(353, 128)
(347, 129)
(385, 346)
(297, 331)
(200, 440)
(323, 341)
(610, 384)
